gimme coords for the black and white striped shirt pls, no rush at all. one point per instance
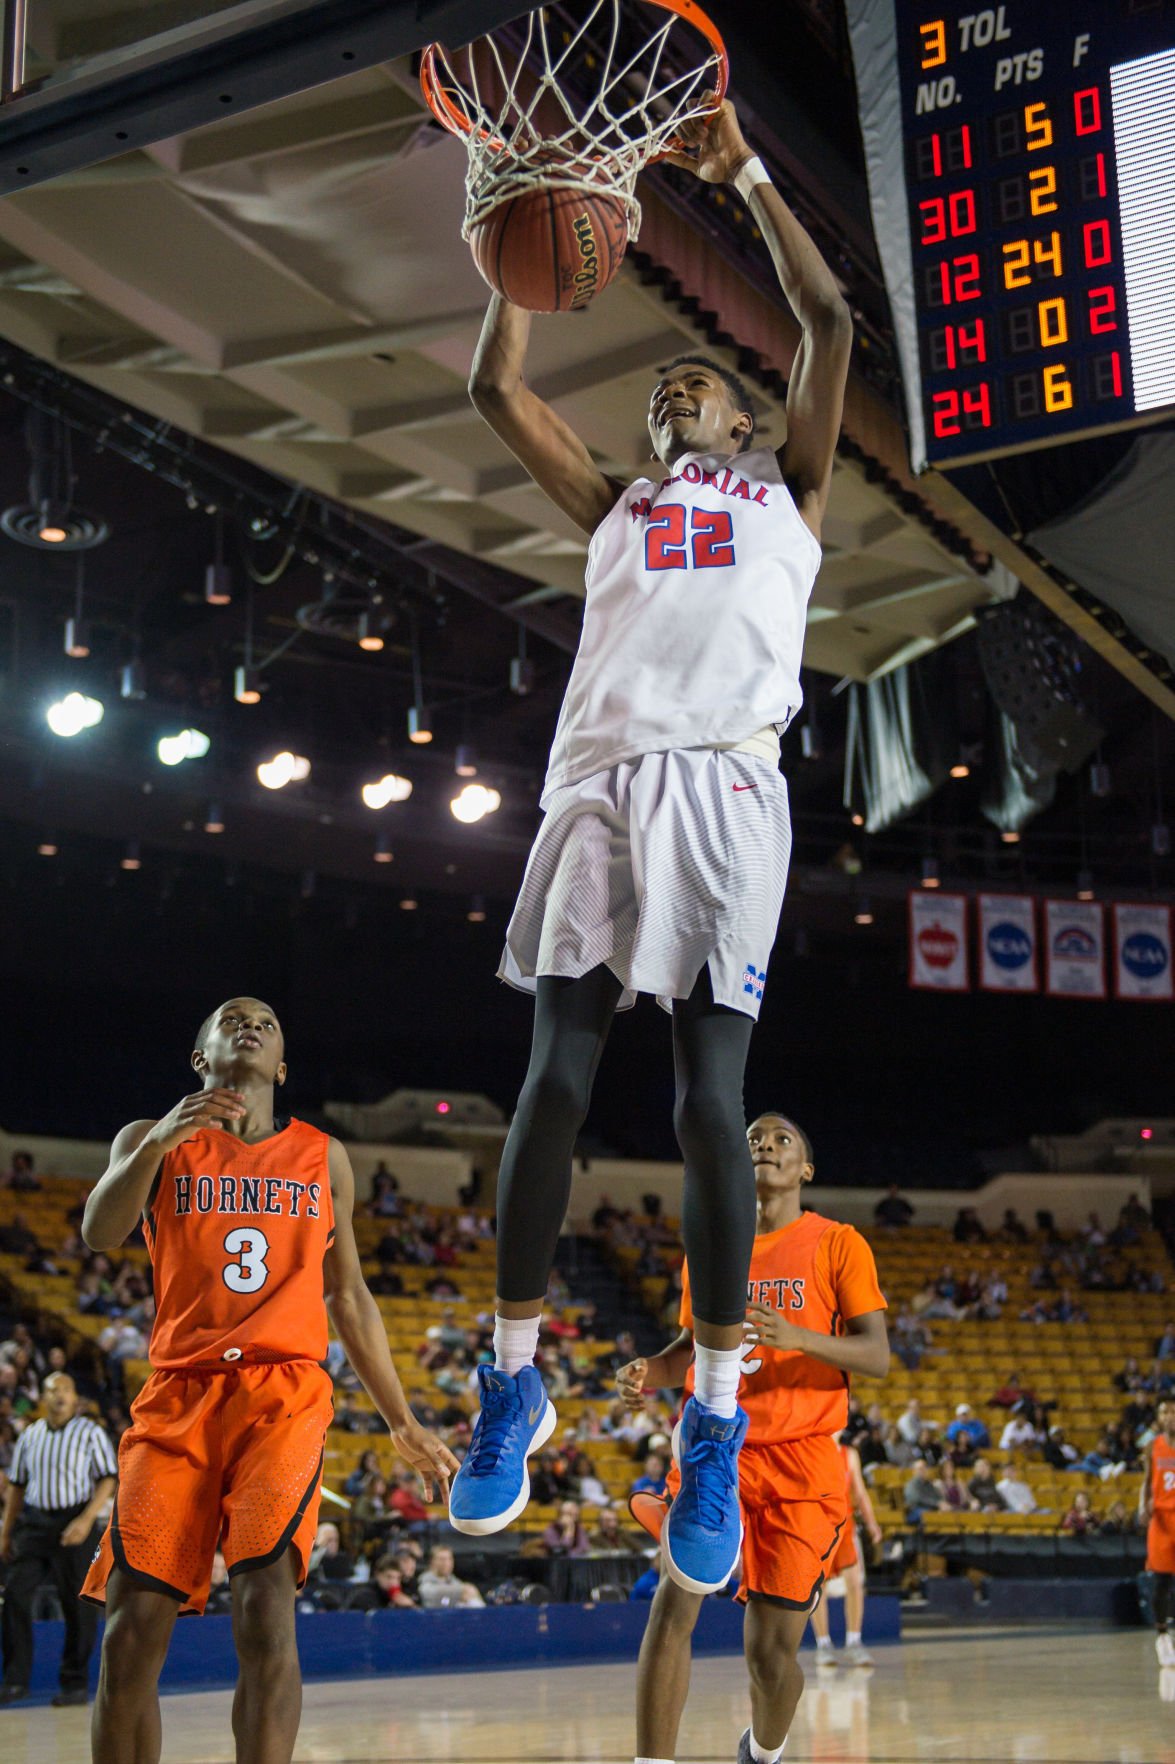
(62, 1466)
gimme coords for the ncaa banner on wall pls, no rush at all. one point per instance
(938, 941)
(1074, 947)
(1142, 951)
(1007, 943)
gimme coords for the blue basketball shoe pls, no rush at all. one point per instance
(493, 1484)
(703, 1529)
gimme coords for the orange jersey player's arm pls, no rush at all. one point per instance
(356, 1321)
(860, 1501)
(1146, 1494)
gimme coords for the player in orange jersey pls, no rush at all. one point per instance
(848, 1566)
(248, 1225)
(1156, 1509)
(815, 1316)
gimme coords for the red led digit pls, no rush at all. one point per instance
(946, 414)
(1100, 161)
(1098, 249)
(934, 220)
(1103, 306)
(1087, 111)
(975, 338)
(1116, 369)
(977, 402)
(966, 134)
(936, 154)
(967, 278)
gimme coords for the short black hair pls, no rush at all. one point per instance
(731, 381)
(780, 1115)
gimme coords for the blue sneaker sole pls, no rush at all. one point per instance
(678, 1575)
(486, 1524)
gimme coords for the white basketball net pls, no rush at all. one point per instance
(622, 105)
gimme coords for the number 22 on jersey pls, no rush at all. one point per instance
(709, 542)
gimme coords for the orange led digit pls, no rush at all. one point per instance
(934, 43)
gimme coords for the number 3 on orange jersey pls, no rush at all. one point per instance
(249, 1272)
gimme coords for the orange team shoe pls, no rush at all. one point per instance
(649, 1511)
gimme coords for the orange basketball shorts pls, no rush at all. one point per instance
(796, 1520)
(846, 1551)
(1160, 1546)
(228, 1460)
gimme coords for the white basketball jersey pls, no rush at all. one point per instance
(693, 627)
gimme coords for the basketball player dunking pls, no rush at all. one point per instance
(661, 861)
(815, 1316)
(248, 1225)
(1156, 1509)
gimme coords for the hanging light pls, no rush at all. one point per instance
(132, 681)
(214, 818)
(77, 638)
(477, 911)
(368, 633)
(408, 904)
(1010, 836)
(1085, 889)
(246, 686)
(864, 912)
(73, 713)
(390, 788)
(419, 726)
(131, 859)
(960, 769)
(474, 803)
(284, 768)
(309, 884)
(383, 851)
(218, 577)
(465, 764)
(930, 876)
(47, 847)
(1100, 781)
(522, 675)
(1161, 839)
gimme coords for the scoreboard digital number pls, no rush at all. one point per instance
(1039, 176)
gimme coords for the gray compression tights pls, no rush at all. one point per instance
(710, 1043)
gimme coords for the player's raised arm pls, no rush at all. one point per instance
(540, 440)
(115, 1205)
(815, 396)
(355, 1318)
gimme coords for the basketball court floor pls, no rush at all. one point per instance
(1022, 1696)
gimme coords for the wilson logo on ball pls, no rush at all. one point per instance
(588, 275)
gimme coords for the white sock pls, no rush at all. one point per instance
(852, 1638)
(823, 1641)
(716, 1375)
(765, 1754)
(652, 1761)
(516, 1341)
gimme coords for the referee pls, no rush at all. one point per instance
(61, 1478)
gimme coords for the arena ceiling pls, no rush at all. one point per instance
(291, 285)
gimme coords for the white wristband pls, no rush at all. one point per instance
(752, 173)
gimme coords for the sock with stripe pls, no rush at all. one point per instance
(765, 1754)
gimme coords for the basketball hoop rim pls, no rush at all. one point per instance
(452, 117)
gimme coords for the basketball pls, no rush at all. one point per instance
(551, 250)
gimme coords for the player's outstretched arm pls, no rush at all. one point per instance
(816, 388)
(117, 1203)
(358, 1325)
(1146, 1491)
(540, 440)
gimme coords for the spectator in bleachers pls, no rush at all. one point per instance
(368, 1465)
(1093, 1232)
(589, 1490)
(1013, 1227)
(893, 1210)
(1012, 1394)
(1131, 1377)
(653, 1479)
(910, 1422)
(121, 1340)
(1042, 1278)
(554, 1374)
(386, 1283)
(992, 1299)
(1165, 1345)
(983, 1488)
(953, 1493)
(385, 1200)
(372, 1509)
(22, 1175)
(1081, 1519)
(328, 1559)
(565, 1536)
(910, 1338)
(350, 1418)
(930, 1446)
(439, 1584)
(405, 1504)
(968, 1227)
(922, 1493)
(26, 1386)
(1120, 1521)
(1058, 1451)
(408, 1554)
(1134, 1215)
(967, 1426)
(1015, 1493)
(16, 1239)
(1102, 1459)
(609, 1539)
(384, 1591)
(871, 1448)
(551, 1480)
(1018, 1434)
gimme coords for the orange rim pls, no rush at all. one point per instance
(451, 116)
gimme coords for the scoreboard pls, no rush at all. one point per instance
(1022, 177)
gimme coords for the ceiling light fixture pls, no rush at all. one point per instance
(246, 686)
(864, 912)
(419, 721)
(382, 791)
(73, 713)
(930, 876)
(383, 851)
(218, 577)
(132, 680)
(474, 803)
(961, 770)
(1085, 889)
(284, 768)
(465, 764)
(408, 905)
(1010, 836)
(131, 859)
(477, 911)
(368, 634)
(47, 847)
(214, 818)
(173, 750)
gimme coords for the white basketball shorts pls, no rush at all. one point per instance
(658, 867)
